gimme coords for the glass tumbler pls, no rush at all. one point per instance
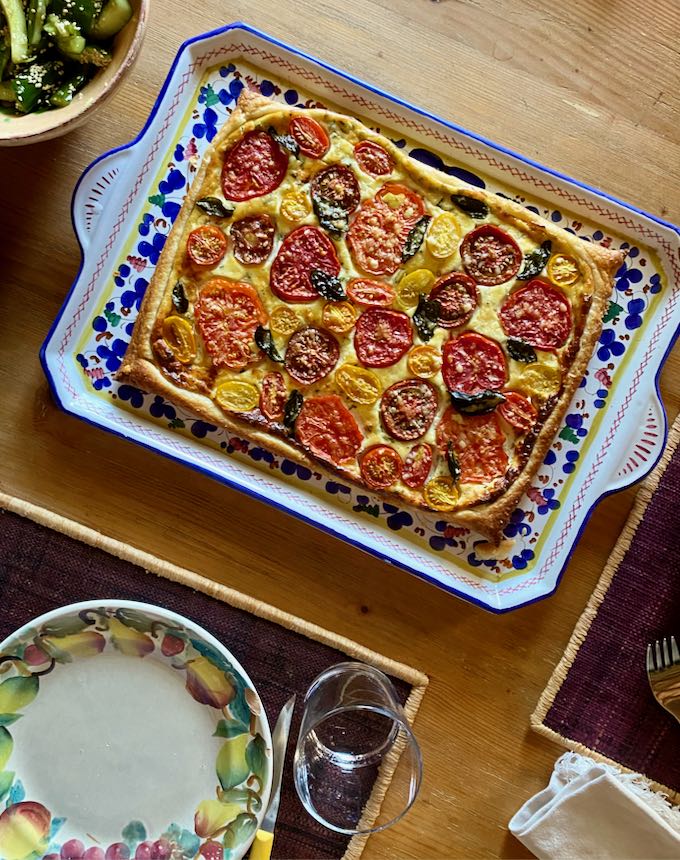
(357, 765)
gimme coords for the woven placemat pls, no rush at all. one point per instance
(598, 700)
(47, 561)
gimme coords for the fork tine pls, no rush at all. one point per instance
(674, 650)
(650, 658)
(657, 652)
(666, 654)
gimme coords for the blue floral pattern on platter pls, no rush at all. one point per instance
(636, 286)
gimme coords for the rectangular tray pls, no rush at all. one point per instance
(124, 206)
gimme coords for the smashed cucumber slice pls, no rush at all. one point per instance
(63, 95)
(114, 16)
(16, 23)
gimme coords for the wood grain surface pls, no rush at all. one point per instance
(590, 88)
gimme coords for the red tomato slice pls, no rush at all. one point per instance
(490, 255)
(255, 165)
(401, 199)
(311, 354)
(373, 158)
(417, 465)
(302, 250)
(310, 136)
(539, 314)
(382, 337)
(373, 294)
(227, 314)
(380, 467)
(327, 428)
(273, 396)
(253, 238)
(518, 411)
(472, 363)
(408, 408)
(206, 245)
(478, 445)
(457, 295)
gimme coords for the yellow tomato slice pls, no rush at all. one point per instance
(413, 285)
(237, 396)
(295, 206)
(339, 316)
(424, 361)
(443, 236)
(441, 493)
(563, 270)
(540, 379)
(179, 336)
(284, 321)
(358, 383)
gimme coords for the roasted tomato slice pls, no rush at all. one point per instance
(417, 465)
(373, 158)
(373, 294)
(311, 354)
(310, 136)
(539, 314)
(253, 238)
(457, 295)
(490, 255)
(478, 444)
(255, 165)
(327, 428)
(273, 396)
(227, 314)
(304, 249)
(408, 408)
(519, 412)
(402, 200)
(337, 184)
(380, 467)
(382, 337)
(206, 245)
(472, 363)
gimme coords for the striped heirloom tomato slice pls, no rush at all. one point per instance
(538, 314)
(417, 465)
(457, 296)
(310, 136)
(478, 444)
(206, 245)
(408, 408)
(253, 166)
(227, 314)
(380, 467)
(382, 337)
(373, 158)
(304, 249)
(273, 396)
(311, 354)
(327, 429)
(490, 255)
(472, 363)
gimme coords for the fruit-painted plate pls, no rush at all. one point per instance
(127, 731)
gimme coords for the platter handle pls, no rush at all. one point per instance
(644, 447)
(94, 191)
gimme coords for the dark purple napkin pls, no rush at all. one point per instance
(41, 569)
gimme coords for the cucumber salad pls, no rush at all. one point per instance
(49, 49)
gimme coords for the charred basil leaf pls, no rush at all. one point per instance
(534, 261)
(327, 286)
(452, 462)
(425, 317)
(264, 339)
(292, 409)
(471, 206)
(331, 217)
(521, 351)
(415, 238)
(476, 404)
(214, 206)
(285, 141)
(180, 302)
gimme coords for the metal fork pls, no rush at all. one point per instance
(663, 671)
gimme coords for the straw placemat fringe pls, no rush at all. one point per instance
(418, 680)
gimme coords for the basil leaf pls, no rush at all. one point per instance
(471, 206)
(415, 238)
(426, 316)
(534, 262)
(285, 141)
(521, 351)
(264, 339)
(292, 409)
(327, 286)
(452, 462)
(331, 216)
(214, 206)
(180, 301)
(476, 404)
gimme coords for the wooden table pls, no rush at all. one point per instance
(590, 88)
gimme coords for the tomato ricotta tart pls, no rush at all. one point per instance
(330, 298)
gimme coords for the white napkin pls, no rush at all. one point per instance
(593, 810)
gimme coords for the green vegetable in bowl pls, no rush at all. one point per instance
(49, 49)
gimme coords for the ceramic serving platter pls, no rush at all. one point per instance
(126, 731)
(125, 204)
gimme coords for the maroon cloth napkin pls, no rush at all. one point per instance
(41, 569)
(605, 702)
